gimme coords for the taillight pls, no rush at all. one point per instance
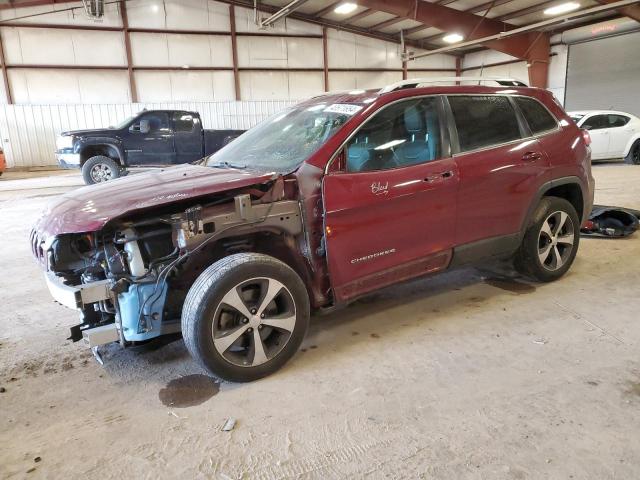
(586, 137)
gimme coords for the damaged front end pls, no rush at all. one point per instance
(130, 278)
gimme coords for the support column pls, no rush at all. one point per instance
(325, 59)
(5, 77)
(537, 56)
(127, 47)
(405, 73)
(234, 51)
(458, 68)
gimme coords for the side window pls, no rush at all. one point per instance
(483, 121)
(157, 121)
(538, 118)
(596, 122)
(618, 121)
(403, 134)
(184, 122)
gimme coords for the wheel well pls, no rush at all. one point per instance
(277, 245)
(93, 150)
(570, 192)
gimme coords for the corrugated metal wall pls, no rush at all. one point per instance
(28, 132)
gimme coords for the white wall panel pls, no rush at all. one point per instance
(68, 86)
(59, 14)
(149, 49)
(262, 52)
(63, 47)
(28, 132)
(179, 15)
(184, 86)
(341, 49)
(264, 85)
(432, 61)
(361, 80)
(303, 85)
(304, 53)
(558, 71)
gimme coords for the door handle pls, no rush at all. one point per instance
(531, 156)
(439, 176)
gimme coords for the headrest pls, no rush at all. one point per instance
(413, 121)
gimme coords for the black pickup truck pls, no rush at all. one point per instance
(150, 138)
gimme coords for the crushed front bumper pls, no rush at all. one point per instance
(77, 296)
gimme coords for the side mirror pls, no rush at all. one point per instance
(144, 126)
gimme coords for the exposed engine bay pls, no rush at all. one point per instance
(129, 279)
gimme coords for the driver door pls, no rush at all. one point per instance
(390, 210)
(153, 146)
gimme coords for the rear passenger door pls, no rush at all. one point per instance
(501, 168)
(390, 210)
(620, 133)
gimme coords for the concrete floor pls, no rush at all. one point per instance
(461, 375)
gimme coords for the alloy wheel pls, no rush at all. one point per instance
(100, 173)
(254, 321)
(555, 240)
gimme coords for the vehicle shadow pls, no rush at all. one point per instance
(415, 304)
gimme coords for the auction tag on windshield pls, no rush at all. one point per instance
(345, 108)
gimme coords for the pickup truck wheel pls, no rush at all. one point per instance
(633, 157)
(100, 169)
(550, 242)
(245, 316)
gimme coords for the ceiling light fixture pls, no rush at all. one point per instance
(345, 8)
(453, 38)
(562, 8)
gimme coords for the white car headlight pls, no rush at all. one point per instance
(64, 141)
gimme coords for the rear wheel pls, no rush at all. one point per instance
(550, 242)
(245, 316)
(100, 169)
(633, 157)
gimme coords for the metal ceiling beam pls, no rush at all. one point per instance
(476, 9)
(283, 12)
(532, 28)
(326, 23)
(632, 11)
(467, 24)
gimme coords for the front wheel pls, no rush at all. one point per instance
(100, 169)
(550, 242)
(245, 316)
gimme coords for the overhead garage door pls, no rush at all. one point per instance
(605, 74)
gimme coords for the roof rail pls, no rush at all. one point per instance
(414, 82)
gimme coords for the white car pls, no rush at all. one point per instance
(613, 134)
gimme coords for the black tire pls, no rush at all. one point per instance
(537, 244)
(633, 157)
(100, 169)
(206, 319)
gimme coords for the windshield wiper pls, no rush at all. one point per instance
(224, 164)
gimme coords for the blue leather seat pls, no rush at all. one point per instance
(416, 149)
(357, 155)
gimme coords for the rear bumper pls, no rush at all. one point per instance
(76, 297)
(68, 160)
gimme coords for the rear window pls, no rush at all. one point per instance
(538, 118)
(483, 121)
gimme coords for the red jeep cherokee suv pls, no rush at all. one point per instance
(340, 195)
